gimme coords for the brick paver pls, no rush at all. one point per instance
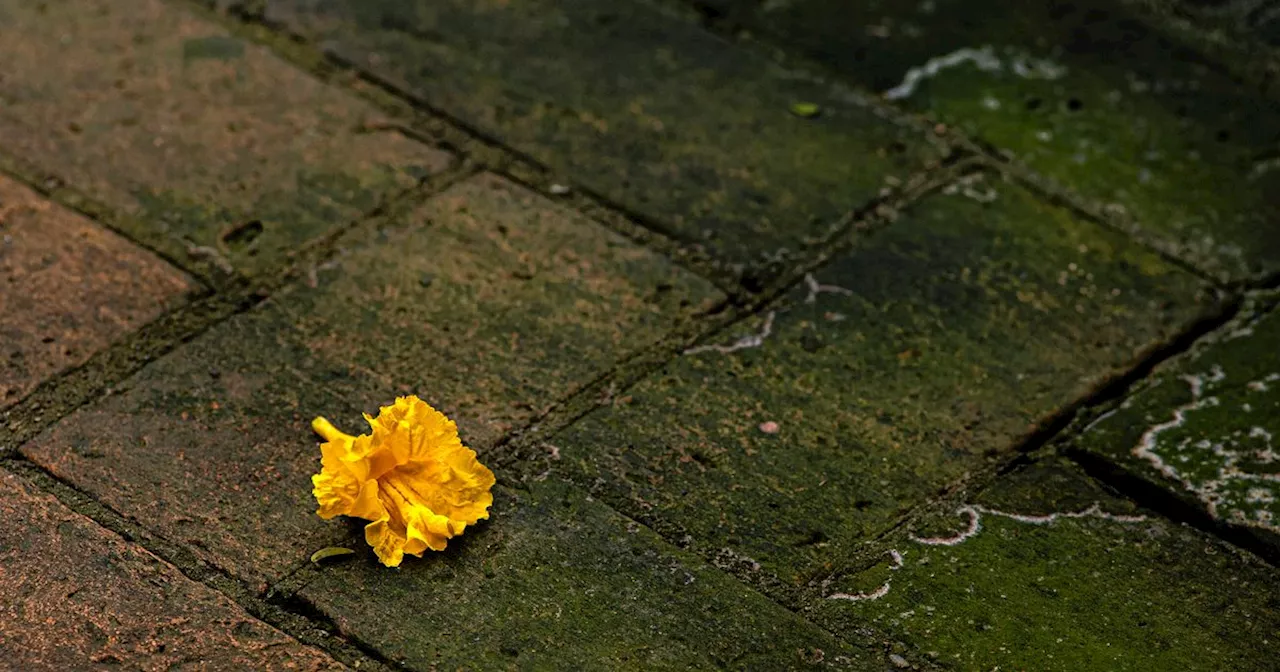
(1083, 92)
(1206, 428)
(224, 154)
(79, 597)
(557, 581)
(1005, 583)
(674, 123)
(864, 460)
(925, 352)
(68, 287)
(486, 300)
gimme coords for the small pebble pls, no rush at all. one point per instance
(898, 661)
(769, 427)
(559, 190)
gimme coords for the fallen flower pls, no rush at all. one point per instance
(411, 477)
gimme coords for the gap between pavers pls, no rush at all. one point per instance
(1154, 136)
(1046, 569)
(925, 353)
(486, 300)
(77, 594)
(214, 150)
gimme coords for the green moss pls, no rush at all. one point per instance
(526, 302)
(1082, 593)
(264, 234)
(1207, 428)
(554, 580)
(942, 340)
(674, 123)
(1083, 92)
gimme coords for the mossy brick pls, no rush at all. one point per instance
(1082, 92)
(1206, 428)
(931, 348)
(212, 149)
(68, 288)
(486, 301)
(555, 580)
(637, 103)
(77, 596)
(1048, 571)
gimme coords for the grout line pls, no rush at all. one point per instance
(1052, 432)
(1156, 498)
(729, 25)
(428, 124)
(60, 395)
(320, 632)
(57, 191)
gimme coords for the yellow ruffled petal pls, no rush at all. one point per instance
(412, 477)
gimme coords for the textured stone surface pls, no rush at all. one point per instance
(556, 581)
(1083, 92)
(68, 287)
(1060, 575)
(76, 596)
(486, 301)
(674, 122)
(209, 141)
(932, 347)
(1207, 427)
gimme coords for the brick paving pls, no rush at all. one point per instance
(800, 334)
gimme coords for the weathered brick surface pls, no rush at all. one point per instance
(78, 597)
(1083, 92)
(636, 102)
(1206, 427)
(486, 301)
(556, 581)
(68, 287)
(925, 352)
(207, 140)
(1045, 581)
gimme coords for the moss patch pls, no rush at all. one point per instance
(930, 348)
(1083, 92)
(636, 102)
(1207, 427)
(556, 580)
(194, 136)
(1059, 575)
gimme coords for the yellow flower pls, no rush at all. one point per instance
(412, 477)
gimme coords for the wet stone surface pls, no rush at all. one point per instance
(69, 287)
(76, 596)
(555, 580)
(1046, 570)
(1082, 92)
(934, 346)
(215, 150)
(1206, 428)
(211, 447)
(675, 123)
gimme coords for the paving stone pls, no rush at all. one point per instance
(1207, 427)
(206, 140)
(76, 596)
(68, 288)
(555, 580)
(934, 346)
(1047, 571)
(487, 301)
(675, 123)
(1082, 92)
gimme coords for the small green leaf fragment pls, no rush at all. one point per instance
(805, 110)
(330, 552)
